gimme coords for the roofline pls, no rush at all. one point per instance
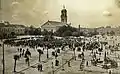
(50, 21)
(44, 23)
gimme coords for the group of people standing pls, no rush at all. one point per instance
(26, 54)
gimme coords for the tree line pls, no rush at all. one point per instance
(62, 32)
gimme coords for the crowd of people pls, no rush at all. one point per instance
(75, 44)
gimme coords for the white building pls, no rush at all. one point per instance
(52, 26)
(9, 28)
(106, 30)
(55, 25)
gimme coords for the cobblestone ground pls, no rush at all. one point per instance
(9, 61)
(74, 69)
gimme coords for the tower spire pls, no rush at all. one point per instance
(63, 6)
(64, 15)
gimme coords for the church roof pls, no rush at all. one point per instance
(53, 23)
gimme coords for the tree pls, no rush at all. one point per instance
(82, 34)
(37, 31)
(3, 36)
(13, 34)
(44, 32)
(31, 31)
(26, 31)
(65, 31)
(46, 38)
(75, 34)
(94, 32)
(16, 57)
(40, 52)
(61, 30)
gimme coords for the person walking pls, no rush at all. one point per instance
(52, 65)
(87, 63)
(23, 52)
(56, 63)
(28, 53)
(110, 72)
(38, 67)
(27, 61)
(41, 67)
(18, 49)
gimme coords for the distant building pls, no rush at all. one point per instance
(52, 26)
(108, 29)
(85, 30)
(9, 28)
(55, 25)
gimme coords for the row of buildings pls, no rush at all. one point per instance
(102, 30)
(52, 26)
(107, 30)
(6, 27)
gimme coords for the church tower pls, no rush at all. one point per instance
(64, 15)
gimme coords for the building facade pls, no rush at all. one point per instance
(55, 25)
(52, 26)
(107, 30)
(9, 28)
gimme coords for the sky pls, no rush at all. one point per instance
(87, 13)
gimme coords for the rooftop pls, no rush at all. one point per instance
(11, 25)
(53, 23)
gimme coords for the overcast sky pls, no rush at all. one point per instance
(87, 13)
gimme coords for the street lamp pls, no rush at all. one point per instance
(74, 53)
(40, 52)
(62, 63)
(47, 53)
(16, 57)
(3, 60)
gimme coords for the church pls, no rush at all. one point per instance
(55, 25)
